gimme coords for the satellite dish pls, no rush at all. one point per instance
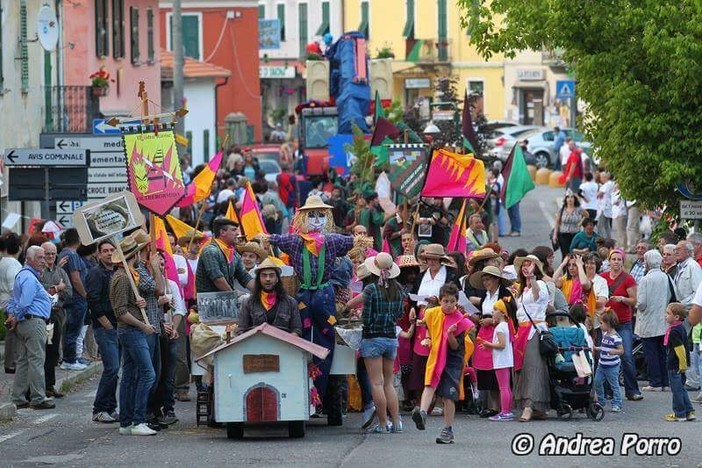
(47, 28)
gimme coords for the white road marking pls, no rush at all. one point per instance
(547, 213)
(3, 438)
(44, 419)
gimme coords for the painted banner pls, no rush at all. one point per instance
(408, 163)
(454, 175)
(153, 168)
(106, 218)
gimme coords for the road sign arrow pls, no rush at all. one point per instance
(64, 206)
(11, 156)
(64, 220)
(61, 144)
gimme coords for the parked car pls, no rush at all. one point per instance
(541, 144)
(501, 140)
(266, 151)
(270, 167)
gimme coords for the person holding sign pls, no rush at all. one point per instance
(138, 374)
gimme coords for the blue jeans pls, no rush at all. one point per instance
(695, 364)
(631, 386)
(681, 401)
(611, 376)
(153, 341)
(138, 376)
(502, 221)
(385, 348)
(654, 352)
(75, 316)
(105, 397)
(364, 383)
(169, 375)
(515, 218)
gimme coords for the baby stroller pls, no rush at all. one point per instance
(569, 392)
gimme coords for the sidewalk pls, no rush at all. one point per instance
(65, 381)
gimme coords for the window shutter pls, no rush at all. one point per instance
(134, 35)
(302, 20)
(281, 18)
(24, 53)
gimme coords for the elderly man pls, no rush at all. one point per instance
(638, 268)
(654, 292)
(687, 279)
(55, 281)
(476, 236)
(28, 311)
(269, 302)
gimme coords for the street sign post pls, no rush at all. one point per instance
(46, 157)
(565, 89)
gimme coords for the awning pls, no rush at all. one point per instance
(530, 84)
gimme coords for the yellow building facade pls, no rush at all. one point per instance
(428, 42)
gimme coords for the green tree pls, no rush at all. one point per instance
(638, 67)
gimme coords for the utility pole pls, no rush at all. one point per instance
(178, 64)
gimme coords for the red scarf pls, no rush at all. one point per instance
(268, 299)
(667, 331)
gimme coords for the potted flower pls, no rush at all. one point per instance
(100, 81)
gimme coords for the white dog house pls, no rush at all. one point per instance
(262, 376)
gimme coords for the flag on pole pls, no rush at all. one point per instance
(201, 185)
(161, 238)
(180, 228)
(379, 111)
(470, 138)
(454, 175)
(251, 219)
(231, 213)
(457, 241)
(517, 178)
(382, 133)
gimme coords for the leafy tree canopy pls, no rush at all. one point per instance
(638, 65)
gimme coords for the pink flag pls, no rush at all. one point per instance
(457, 241)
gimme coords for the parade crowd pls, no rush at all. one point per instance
(442, 331)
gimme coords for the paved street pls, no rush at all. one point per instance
(67, 436)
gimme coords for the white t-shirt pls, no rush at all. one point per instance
(489, 301)
(564, 153)
(9, 267)
(430, 287)
(589, 192)
(502, 358)
(605, 205)
(697, 300)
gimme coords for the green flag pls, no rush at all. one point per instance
(467, 145)
(517, 178)
(379, 111)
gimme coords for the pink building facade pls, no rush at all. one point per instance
(123, 37)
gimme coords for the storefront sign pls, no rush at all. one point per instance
(417, 83)
(530, 74)
(273, 72)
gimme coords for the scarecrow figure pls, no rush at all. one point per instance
(313, 249)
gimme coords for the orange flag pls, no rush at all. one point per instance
(231, 213)
(161, 236)
(251, 219)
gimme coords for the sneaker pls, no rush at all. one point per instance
(636, 397)
(649, 388)
(168, 418)
(673, 418)
(378, 429)
(103, 417)
(53, 393)
(368, 417)
(691, 416)
(445, 436)
(142, 430)
(396, 428)
(22, 405)
(114, 415)
(420, 418)
(691, 388)
(698, 398)
(126, 430)
(616, 409)
(46, 404)
(74, 366)
(502, 417)
(437, 411)
(84, 361)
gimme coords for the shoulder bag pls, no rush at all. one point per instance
(547, 343)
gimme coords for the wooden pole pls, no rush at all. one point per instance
(203, 208)
(130, 278)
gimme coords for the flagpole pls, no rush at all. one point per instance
(203, 208)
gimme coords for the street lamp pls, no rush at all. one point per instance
(431, 129)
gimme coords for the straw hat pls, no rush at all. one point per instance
(407, 261)
(482, 254)
(314, 202)
(434, 251)
(196, 236)
(362, 272)
(254, 248)
(382, 262)
(531, 258)
(267, 264)
(140, 236)
(130, 247)
(476, 279)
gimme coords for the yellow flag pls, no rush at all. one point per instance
(179, 227)
(231, 213)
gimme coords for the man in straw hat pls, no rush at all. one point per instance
(251, 255)
(269, 303)
(138, 375)
(313, 250)
(219, 264)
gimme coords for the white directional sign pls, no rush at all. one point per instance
(691, 209)
(46, 157)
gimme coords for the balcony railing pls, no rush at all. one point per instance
(430, 51)
(70, 109)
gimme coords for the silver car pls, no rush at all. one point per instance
(501, 140)
(541, 144)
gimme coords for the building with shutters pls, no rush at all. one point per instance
(286, 28)
(223, 33)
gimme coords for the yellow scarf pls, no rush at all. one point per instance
(268, 299)
(228, 251)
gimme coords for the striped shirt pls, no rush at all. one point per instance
(610, 343)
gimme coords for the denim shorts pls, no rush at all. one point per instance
(379, 347)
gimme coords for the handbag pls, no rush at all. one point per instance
(554, 244)
(547, 343)
(582, 366)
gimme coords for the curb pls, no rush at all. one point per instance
(8, 410)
